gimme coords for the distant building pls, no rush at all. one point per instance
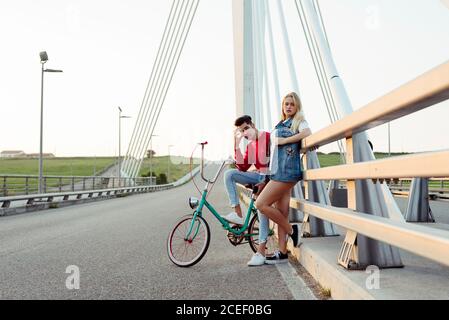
(36, 155)
(21, 154)
(12, 154)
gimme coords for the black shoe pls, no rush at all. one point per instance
(276, 258)
(295, 235)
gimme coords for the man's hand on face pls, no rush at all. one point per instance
(238, 136)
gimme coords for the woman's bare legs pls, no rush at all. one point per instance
(284, 206)
(273, 192)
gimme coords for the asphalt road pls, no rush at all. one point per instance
(119, 246)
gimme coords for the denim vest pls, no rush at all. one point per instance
(285, 165)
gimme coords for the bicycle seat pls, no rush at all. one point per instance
(252, 187)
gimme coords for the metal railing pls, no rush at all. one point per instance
(79, 191)
(438, 188)
(11, 185)
(30, 202)
(428, 89)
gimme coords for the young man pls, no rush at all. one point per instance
(257, 154)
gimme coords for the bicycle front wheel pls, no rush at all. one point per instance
(186, 252)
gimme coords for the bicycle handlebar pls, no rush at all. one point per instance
(202, 165)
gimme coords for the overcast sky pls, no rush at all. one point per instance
(107, 49)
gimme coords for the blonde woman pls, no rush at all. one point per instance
(285, 173)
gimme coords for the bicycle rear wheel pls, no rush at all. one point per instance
(253, 239)
(187, 252)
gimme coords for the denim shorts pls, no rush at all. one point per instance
(285, 164)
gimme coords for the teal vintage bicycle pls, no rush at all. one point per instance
(189, 240)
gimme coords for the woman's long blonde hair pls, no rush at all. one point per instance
(299, 116)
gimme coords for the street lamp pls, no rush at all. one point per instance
(120, 117)
(44, 58)
(168, 163)
(151, 157)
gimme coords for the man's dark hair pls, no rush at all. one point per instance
(242, 120)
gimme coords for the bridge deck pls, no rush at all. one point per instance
(119, 246)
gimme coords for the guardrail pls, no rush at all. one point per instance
(438, 188)
(428, 89)
(16, 184)
(49, 200)
(32, 202)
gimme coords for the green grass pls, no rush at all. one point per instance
(56, 166)
(86, 166)
(179, 166)
(333, 159)
(77, 166)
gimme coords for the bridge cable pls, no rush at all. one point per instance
(161, 72)
(160, 91)
(320, 16)
(156, 89)
(180, 46)
(158, 86)
(319, 69)
(155, 69)
(277, 95)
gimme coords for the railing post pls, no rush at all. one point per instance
(4, 186)
(84, 183)
(305, 226)
(60, 184)
(27, 186)
(350, 184)
(93, 182)
(348, 256)
(45, 184)
(73, 183)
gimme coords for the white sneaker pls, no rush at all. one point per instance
(257, 260)
(233, 218)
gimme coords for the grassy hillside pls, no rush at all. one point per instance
(86, 166)
(79, 166)
(179, 166)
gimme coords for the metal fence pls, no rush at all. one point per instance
(64, 191)
(24, 203)
(12, 185)
(438, 188)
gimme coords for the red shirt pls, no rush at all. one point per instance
(257, 154)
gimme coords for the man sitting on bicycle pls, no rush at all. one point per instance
(257, 153)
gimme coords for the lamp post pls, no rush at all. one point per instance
(120, 117)
(151, 157)
(44, 58)
(168, 163)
